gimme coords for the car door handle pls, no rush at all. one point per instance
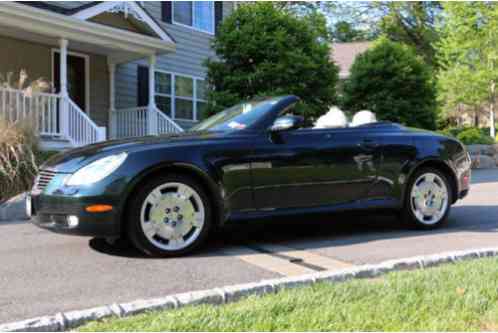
(369, 144)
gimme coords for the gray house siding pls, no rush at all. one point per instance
(192, 49)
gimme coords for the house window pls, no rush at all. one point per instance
(163, 92)
(201, 102)
(196, 14)
(180, 97)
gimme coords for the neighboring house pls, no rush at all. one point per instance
(119, 69)
(344, 54)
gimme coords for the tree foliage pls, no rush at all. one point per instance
(344, 32)
(263, 50)
(393, 82)
(413, 23)
(468, 56)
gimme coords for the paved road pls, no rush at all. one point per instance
(42, 273)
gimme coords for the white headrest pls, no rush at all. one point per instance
(332, 119)
(363, 117)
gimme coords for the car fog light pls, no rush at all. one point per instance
(72, 221)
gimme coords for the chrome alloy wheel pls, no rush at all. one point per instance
(172, 216)
(429, 198)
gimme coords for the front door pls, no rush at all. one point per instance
(314, 167)
(76, 78)
(283, 167)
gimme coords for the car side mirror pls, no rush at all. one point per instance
(287, 123)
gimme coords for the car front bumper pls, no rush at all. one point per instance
(64, 211)
(68, 216)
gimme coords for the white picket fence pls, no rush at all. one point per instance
(50, 115)
(133, 122)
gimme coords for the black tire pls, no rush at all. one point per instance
(407, 213)
(135, 231)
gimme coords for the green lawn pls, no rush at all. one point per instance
(460, 297)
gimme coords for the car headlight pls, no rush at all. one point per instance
(96, 170)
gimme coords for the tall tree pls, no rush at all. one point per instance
(468, 56)
(262, 50)
(413, 23)
(344, 31)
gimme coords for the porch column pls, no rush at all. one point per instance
(152, 115)
(63, 106)
(112, 101)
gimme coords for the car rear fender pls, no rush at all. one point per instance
(431, 162)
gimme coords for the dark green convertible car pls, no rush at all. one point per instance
(254, 160)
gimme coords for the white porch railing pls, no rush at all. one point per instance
(132, 122)
(129, 122)
(165, 124)
(51, 115)
(81, 130)
(41, 109)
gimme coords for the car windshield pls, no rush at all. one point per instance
(238, 117)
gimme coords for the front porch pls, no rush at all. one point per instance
(85, 49)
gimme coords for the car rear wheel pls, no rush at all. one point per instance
(428, 199)
(169, 216)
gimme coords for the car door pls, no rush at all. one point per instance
(347, 165)
(283, 166)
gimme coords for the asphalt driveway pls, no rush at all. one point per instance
(43, 273)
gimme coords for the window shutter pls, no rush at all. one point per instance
(218, 14)
(166, 11)
(143, 86)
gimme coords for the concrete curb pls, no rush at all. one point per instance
(14, 209)
(69, 320)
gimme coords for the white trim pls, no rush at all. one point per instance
(181, 74)
(173, 109)
(85, 14)
(192, 26)
(46, 23)
(172, 94)
(152, 115)
(87, 73)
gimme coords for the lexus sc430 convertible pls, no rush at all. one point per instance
(254, 160)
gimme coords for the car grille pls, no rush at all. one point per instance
(43, 179)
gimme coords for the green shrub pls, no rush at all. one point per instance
(18, 166)
(19, 153)
(393, 82)
(453, 131)
(471, 136)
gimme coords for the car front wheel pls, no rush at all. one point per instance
(169, 216)
(428, 200)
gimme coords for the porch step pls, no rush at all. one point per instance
(58, 143)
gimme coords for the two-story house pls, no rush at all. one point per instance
(118, 69)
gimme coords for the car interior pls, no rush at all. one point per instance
(336, 118)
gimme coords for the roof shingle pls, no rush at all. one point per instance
(343, 54)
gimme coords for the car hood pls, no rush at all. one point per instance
(72, 160)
